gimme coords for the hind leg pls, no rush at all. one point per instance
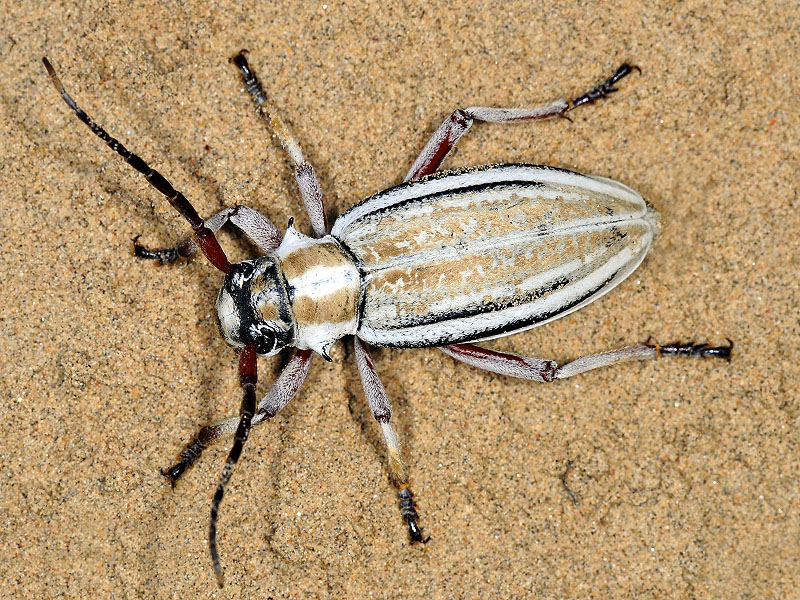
(539, 369)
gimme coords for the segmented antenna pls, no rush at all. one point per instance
(248, 376)
(206, 239)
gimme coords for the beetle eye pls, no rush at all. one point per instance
(265, 340)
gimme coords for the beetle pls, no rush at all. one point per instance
(444, 260)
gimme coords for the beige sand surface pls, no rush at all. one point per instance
(685, 472)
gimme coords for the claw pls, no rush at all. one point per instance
(415, 532)
(699, 350)
(409, 511)
(174, 472)
(605, 88)
(188, 457)
(162, 255)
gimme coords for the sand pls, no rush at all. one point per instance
(684, 473)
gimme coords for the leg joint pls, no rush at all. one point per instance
(549, 370)
(462, 117)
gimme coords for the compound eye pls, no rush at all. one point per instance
(265, 340)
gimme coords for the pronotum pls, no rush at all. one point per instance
(442, 260)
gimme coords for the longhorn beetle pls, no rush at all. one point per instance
(442, 260)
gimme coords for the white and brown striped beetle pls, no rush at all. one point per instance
(442, 260)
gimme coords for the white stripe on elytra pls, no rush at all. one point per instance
(456, 328)
(499, 174)
(479, 247)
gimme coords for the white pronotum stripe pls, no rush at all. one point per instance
(320, 282)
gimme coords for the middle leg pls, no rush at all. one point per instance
(382, 412)
(457, 124)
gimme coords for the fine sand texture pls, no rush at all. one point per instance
(675, 478)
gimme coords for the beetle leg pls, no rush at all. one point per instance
(203, 235)
(503, 363)
(382, 412)
(303, 171)
(538, 369)
(282, 391)
(457, 124)
(605, 88)
(253, 224)
(642, 352)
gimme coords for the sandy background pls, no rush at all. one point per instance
(685, 472)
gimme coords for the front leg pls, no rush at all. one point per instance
(283, 390)
(303, 171)
(258, 228)
(457, 124)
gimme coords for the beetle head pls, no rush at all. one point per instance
(253, 307)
